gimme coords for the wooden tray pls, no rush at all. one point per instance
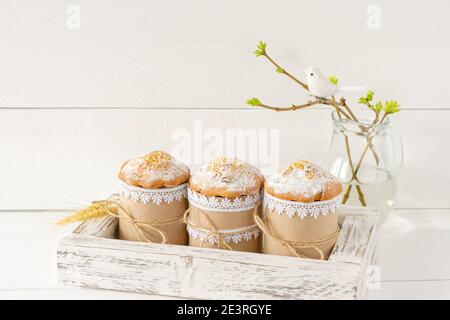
(93, 257)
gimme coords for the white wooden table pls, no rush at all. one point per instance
(413, 257)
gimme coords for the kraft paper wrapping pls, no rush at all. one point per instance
(252, 245)
(221, 220)
(175, 233)
(299, 229)
(225, 222)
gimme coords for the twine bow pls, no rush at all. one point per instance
(294, 246)
(140, 225)
(213, 231)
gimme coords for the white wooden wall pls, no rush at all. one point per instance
(74, 103)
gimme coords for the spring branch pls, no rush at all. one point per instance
(283, 71)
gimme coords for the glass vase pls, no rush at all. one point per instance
(367, 159)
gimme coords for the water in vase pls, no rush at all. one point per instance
(378, 188)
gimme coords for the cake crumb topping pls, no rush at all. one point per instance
(157, 160)
(301, 179)
(228, 177)
(154, 170)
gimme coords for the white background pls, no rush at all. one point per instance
(75, 103)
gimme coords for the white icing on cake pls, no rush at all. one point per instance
(149, 168)
(301, 178)
(230, 174)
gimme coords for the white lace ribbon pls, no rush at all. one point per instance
(157, 196)
(220, 204)
(301, 209)
(231, 235)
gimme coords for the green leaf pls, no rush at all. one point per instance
(260, 49)
(279, 70)
(333, 79)
(262, 46)
(363, 100)
(366, 100)
(254, 102)
(378, 107)
(391, 107)
(257, 53)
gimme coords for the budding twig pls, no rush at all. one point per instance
(342, 109)
(283, 71)
(291, 108)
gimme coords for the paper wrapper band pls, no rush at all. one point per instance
(154, 215)
(239, 239)
(307, 230)
(224, 213)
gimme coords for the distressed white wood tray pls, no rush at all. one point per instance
(93, 257)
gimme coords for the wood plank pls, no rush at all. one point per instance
(28, 243)
(412, 290)
(67, 158)
(105, 227)
(199, 273)
(206, 21)
(82, 241)
(417, 220)
(358, 244)
(354, 237)
(212, 75)
(178, 54)
(438, 289)
(422, 254)
(66, 293)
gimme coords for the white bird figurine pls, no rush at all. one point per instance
(321, 87)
